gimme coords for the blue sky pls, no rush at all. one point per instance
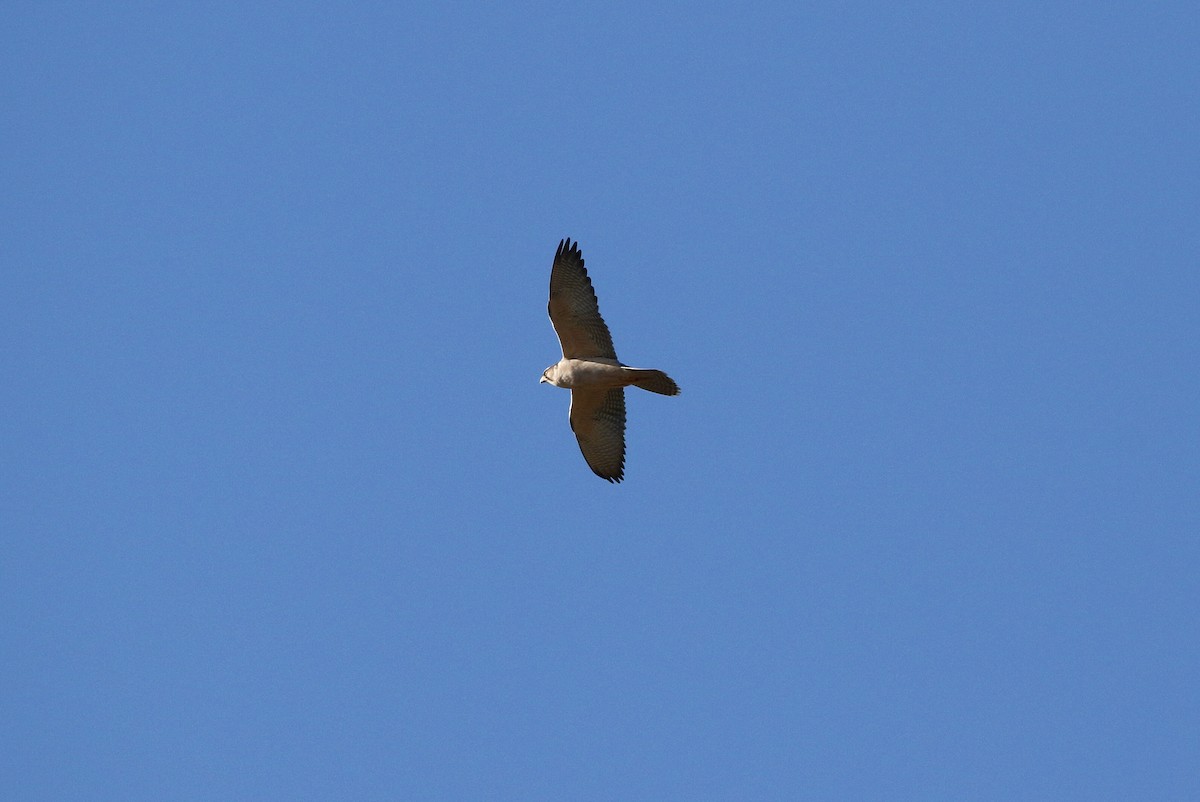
(287, 515)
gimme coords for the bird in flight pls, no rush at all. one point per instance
(589, 367)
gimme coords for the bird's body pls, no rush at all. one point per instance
(591, 373)
(598, 372)
(590, 369)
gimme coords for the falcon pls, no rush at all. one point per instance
(589, 366)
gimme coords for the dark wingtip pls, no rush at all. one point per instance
(568, 247)
(615, 478)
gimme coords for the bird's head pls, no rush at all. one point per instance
(547, 375)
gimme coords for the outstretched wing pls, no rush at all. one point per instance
(573, 308)
(598, 420)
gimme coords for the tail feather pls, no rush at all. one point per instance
(655, 381)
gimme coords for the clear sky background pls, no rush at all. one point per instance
(286, 514)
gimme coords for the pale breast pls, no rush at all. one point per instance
(592, 373)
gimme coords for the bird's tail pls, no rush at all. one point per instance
(655, 381)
